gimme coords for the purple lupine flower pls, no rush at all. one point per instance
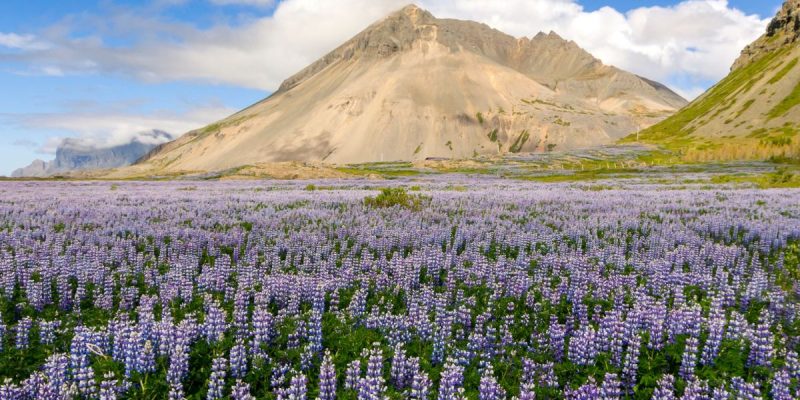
(178, 366)
(720, 394)
(307, 357)
(216, 382)
(557, 333)
(793, 364)
(352, 374)
(761, 344)
(451, 380)
(315, 331)
(589, 391)
(582, 346)
(781, 386)
(238, 360)
(665, 389)
(176, 392)
(745, 390)
(47, 331)
(327, 378)
(241, 391)
(10, 391)
(214, 325)
(689, 358)
(55, 369)
(489, 389)
(399, 369)
(630, 367)
(696, 390)
(22, 333)
(147, 358)
(611, 388)
(526, 391)
(297, 388)
(371, 386)
(108, 387)
(420, 386)
(279, 373)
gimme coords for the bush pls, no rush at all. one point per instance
(396, 197)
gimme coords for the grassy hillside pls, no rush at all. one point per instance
(752, 114)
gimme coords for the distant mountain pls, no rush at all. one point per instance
(74, 155)
(412, 86)
(754, 113)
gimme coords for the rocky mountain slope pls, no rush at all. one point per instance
(412, 86)
(754, 113)
(73, 155)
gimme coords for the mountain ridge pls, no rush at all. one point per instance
(74, 155)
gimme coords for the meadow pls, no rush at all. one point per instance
(436, 289)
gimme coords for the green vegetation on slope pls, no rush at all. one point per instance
(674, 131)
(780, 75)
(791, 101)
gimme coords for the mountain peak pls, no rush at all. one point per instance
(411, 9)
(412, 86)
(782, 31)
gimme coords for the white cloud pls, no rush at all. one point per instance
(695, 39)
(103, 130)
(21, 42)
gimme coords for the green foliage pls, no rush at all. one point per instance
(311, 187)
(396, 197)
(479, 117)
(493, 135)
(516, 147)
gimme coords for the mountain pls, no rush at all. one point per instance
(412, 86)
(753, 113)
(75, 155)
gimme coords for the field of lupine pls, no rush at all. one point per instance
(480, 289)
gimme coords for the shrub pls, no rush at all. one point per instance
(396, 197)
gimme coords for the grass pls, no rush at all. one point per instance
(782, 178)
(782, 73)
(788, 103)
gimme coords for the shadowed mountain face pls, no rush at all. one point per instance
(72, 155)
(754, 113)
(412, 86)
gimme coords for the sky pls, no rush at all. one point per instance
(106, 71)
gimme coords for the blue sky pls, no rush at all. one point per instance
(105, 70)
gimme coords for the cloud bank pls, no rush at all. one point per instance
(104, 130)
(689, 44)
